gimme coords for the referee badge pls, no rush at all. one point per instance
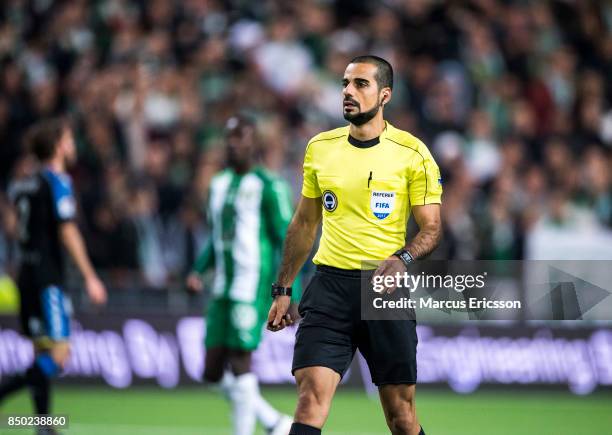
(330, 201)
(382, 203)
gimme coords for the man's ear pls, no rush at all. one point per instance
(386, 96)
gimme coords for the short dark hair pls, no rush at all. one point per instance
(43, 137)
(384, 70)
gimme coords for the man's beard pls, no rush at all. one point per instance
(238, 163)
(362, 117)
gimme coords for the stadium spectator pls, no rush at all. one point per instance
(511, 97)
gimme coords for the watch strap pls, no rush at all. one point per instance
(404, 256)
(279, 290)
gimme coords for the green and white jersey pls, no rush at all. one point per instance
(249, 214)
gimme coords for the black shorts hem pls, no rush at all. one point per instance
(303, 366)
(381, 383)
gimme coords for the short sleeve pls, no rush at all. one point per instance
(310, 186)
(62, 196)
(426, 183)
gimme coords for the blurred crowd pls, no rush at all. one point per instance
(514, 98)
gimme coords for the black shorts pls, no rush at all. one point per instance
(331, 331)
(45, 310)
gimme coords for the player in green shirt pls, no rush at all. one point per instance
(249, 210)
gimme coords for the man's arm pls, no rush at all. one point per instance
(430, 230)
(205, 261)
(300, 237)
(279, 211)
(278, 214)
(430, 233)
(73, 242)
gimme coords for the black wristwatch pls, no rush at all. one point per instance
(405, 256)
(279, 290)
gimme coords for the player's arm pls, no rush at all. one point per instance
(205, 261)
(64, 206)
(300, 238)
(278, 200)
(73, 242)
(424, 242)
(427, 239)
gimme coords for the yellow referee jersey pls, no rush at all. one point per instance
(367, 190)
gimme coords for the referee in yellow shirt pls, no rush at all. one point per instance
(362, 181)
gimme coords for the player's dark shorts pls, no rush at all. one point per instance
(331, 330)
(45, 310)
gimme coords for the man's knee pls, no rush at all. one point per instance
(314, 398)
(400, 413)
(401, 422)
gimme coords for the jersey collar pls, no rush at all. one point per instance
(363, 143)
(371, 142)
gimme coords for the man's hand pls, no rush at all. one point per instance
(392, 266)
(278, 317)
(293, 313)
(96, 290)
(194, 283)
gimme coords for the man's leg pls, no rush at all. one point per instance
(272, 420)
(316, 387)
(51, 315)
(56, 310)
(12, 384)
(28, 309)
(37, 377)
(214, 365)
(216, 374)
(229, 341)
(215, 343)
(399, 408)
(389, 347)
(46, 367)
(241, 388)
(221, 336)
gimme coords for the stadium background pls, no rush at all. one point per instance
(512, 97)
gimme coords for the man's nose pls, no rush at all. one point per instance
(348, 90)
